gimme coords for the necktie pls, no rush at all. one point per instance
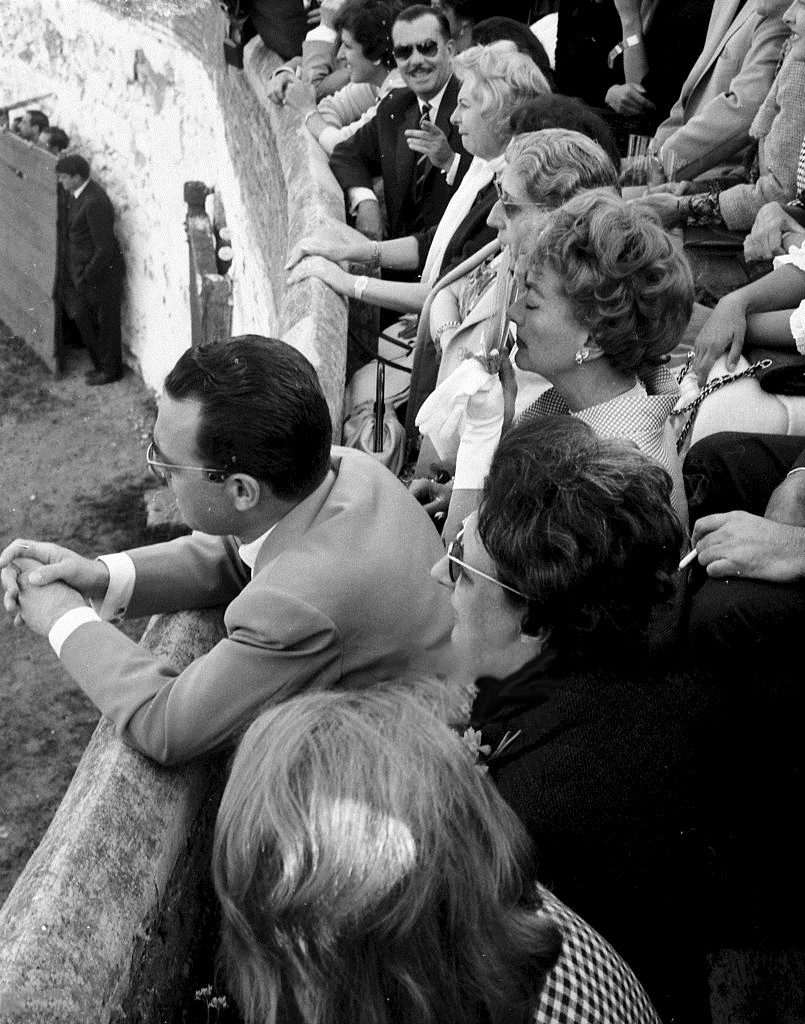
(423, 164)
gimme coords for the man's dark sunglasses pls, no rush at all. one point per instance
(428, 49)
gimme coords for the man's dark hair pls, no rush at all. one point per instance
(369, 22)
(263, 412)
(468, 10)
(555, 110)
(492, 30)
(38, 119)
(58, 138)
(417, 11)
(73, 164)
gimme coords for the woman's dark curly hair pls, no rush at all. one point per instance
(585, 527)
(369, 23)
(625, 280)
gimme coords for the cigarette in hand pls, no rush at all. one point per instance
(688, 558)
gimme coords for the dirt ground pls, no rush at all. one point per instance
(73, 464)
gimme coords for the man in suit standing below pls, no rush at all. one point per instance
(410, 141)
(93, 265)
(322, 556)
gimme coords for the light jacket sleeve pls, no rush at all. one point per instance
(719, 128)
(779, 154)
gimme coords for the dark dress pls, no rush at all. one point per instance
(609, 774)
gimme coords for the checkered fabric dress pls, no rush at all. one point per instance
(590, 983)
(640, 415)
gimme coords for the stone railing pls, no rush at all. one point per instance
(98, 925)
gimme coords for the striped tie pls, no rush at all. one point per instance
(801, 176)
(423, 164)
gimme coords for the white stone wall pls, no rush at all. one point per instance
(145, 114)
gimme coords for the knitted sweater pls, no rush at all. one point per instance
(607, 774)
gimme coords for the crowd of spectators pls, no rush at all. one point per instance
(516, 735)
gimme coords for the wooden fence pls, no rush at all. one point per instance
(28, 210)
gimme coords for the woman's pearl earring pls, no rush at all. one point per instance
(581, 356)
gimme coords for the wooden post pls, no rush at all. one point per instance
(210, 292)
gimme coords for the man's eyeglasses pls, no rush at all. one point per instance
(429, 48)
(510, 207)
(162, 470)
(455, 557)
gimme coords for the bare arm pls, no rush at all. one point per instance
(401, 296)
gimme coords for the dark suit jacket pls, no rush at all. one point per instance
(281, 24)
(379, 148)
(93, 254)
(341, 595)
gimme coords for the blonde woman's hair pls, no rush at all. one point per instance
(501, 79)
(555, 164)
(369, 873)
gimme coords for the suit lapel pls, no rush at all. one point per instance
(728, 24)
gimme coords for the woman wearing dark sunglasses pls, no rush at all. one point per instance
(554, 580)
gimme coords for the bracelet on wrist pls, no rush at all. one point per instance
(359, 287)
(443, 328)
(374, 259)
(624, 44)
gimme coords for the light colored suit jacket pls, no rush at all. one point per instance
(341, 594)
(708, 127)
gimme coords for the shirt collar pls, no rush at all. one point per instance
(80, 189)
(434, 103)
(248, 552)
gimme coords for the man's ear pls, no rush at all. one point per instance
(243, 490)
(450, 46)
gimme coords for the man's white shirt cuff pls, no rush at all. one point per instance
(66, 625)
(122, 576)
(357, 195)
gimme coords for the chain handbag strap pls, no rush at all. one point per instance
(711, 386)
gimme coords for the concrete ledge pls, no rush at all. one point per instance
(72, 923)
(312, 317)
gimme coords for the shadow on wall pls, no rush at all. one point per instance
(85, 927)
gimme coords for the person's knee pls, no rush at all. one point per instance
(743, 621)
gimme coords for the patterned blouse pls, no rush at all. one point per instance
(639, 415)
(590, 983)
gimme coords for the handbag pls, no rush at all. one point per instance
(759, 397)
